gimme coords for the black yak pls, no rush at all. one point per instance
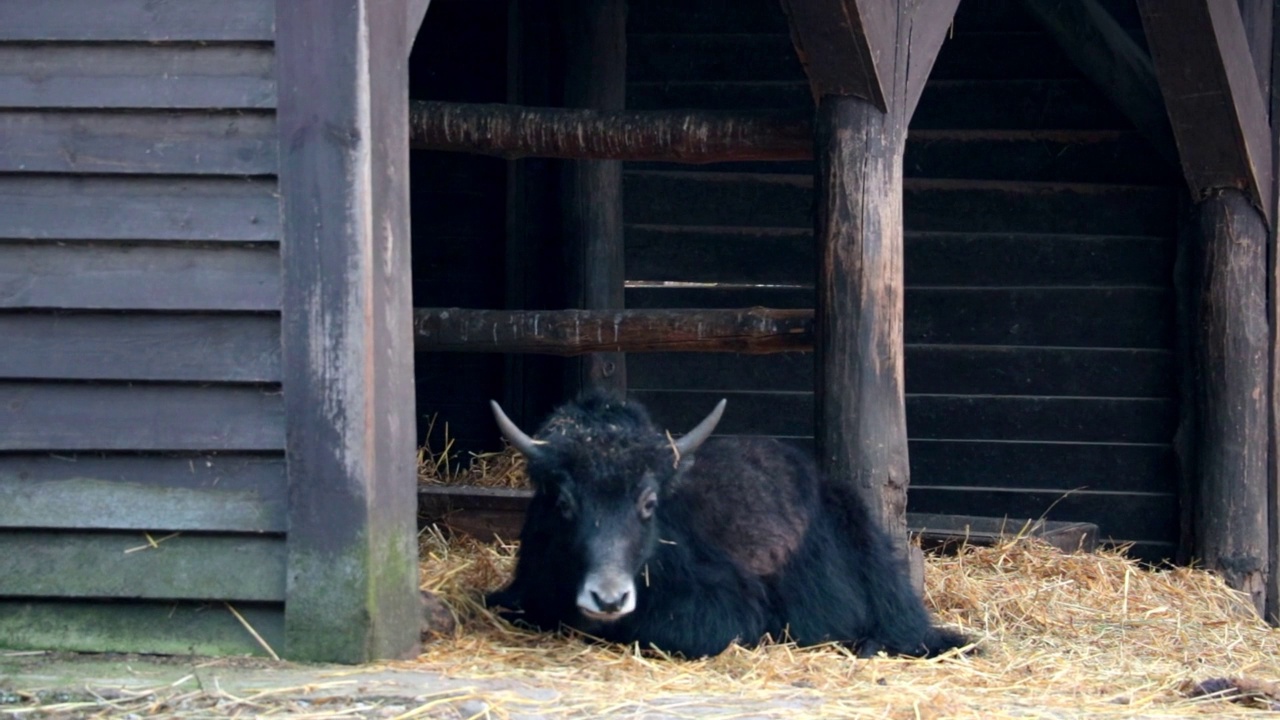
(688, 544)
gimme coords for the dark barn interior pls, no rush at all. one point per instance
(1040, 250)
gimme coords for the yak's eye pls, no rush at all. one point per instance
(565, 504)
(648, 503)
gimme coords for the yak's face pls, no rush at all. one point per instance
(607, 519)
(599, 469)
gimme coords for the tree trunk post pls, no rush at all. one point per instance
(861, 411)
(1232, 366)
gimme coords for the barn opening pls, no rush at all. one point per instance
(1040, 246)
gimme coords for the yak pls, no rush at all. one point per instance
(689, 544)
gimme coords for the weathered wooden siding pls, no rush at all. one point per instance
(141, 415)
(1039, 264)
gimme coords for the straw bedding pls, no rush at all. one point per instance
(1058, 636)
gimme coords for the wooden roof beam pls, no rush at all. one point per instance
(1101, 49)
(1212, 95)
(852, 47)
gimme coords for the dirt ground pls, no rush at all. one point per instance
(64, 685)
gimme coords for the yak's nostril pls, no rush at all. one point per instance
(612, 605)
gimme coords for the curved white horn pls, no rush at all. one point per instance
(695, 437)
(514, 435)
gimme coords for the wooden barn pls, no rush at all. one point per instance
(987, 258)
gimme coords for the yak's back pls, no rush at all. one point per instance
(754, 498)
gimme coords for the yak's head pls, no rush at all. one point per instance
(600, 472)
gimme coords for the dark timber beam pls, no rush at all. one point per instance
(751, 331)
(1212, 95)
(595, 33)
(684, 136)
(867, 63)
(347, 344)
(1101, 49)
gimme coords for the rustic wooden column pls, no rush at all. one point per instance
(867, 62)
(1209, 79)
(861, 415)
(595, 77)
(347, 344)
(1232, 350)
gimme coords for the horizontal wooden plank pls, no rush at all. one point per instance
(783, 201)
(1119, 516)
(128, 565)
(942, 369)
(944, 104)
(153, 208)
(74, 416)
(1132, 468)
(106, 277)
(787, 256)
(1106, 420)
(1045, 419)
(138, 143)
(1133, 318)
(742, 57)
(137, 20)
(215, 493)
(1101, 156)
(1065, 317)
(92, 75)
(164, 628)
(937, 369)
(706, 16)
(180, 348)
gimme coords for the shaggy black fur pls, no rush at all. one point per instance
(745, 541)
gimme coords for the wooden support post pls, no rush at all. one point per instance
(595, 77)
(347, 349)
(1208, 76)
(1273, 320)
(861, 411)
(867, 63)
(1231, 357)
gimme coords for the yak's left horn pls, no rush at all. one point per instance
(699, 434)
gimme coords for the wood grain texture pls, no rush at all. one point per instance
(347, 330)
(100, 277)
(71, 416)
(1107, 55)
(138, 21)
(165, 628)
(182, 348)
(1231, 533)
(212, 493)
(128, 565)
(1213, 96)
(105, 208)
(513, 131)
(92, 75)
(578, 332)
(189, 143)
